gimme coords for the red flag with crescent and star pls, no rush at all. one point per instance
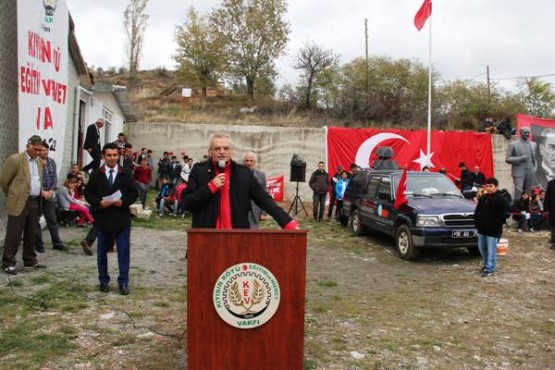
(423, 14)
(448, 148)
(400, 197)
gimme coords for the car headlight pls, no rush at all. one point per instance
(426, 221)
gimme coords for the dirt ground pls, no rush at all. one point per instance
(365, 307)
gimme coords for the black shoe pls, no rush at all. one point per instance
(10, 270)
(60, 247)
(86, 248)
(39, 248)
(124, 289)
(36, 266)
(486, 273)
(104, 288)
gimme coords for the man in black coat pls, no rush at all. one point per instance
(92, 144)
(549, 207)
(220, 191)
(110, 191)
(319, 184)
(489, 218)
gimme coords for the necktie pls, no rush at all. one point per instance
(111, 177)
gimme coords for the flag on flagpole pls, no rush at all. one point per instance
(423, 14)
(400, 197)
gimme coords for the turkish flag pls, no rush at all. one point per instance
(400, 197)
(447, 149)
(423, 14)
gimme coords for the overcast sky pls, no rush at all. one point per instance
(513, 37)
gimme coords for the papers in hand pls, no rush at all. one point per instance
(113, 197)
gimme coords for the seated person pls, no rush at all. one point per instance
(179, 206)
(537, 216)
(69, 203)
(165, 197)
(521, 213)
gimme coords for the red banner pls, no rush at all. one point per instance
(275, 187)
(542, 132)
(447, 149)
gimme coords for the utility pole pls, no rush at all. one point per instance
(488, 83)
(366, 42)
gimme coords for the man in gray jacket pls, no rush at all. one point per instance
(521, 155)
(319, 183)
(250, 160)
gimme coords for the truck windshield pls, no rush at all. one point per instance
(429, 186)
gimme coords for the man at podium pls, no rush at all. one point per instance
(220, 191)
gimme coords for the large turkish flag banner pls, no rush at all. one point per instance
(447, 150)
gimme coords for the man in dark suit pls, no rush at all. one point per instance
(175, 170)
(110, 191)
(220, 191)
(20, 179)
(92, 144)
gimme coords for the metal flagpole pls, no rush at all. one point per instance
(429, 133)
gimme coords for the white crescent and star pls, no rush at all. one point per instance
(364, 151)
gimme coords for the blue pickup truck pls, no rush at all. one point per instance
(436, 215)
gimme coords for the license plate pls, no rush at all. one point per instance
(464, 234)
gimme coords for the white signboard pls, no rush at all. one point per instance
(42, 32)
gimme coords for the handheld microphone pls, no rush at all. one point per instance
(221, 164)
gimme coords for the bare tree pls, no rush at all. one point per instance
(135, 20)
(313, 59)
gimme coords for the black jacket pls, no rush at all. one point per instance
(319, 182)
(490, 214)
(549, 202)
(92, 140)
(111, 218)
(243, 188)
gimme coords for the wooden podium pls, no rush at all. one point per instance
(213, 257)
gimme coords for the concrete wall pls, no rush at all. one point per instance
(9, 115)
(273, 145)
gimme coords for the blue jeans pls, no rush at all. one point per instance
(122, 242)
(488, 249)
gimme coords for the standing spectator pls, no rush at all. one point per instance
(186, 170)
(48, 192)
(142, 176)
(333, 181)
(319, 184)
(340, 191)
(20, 179)
(549, 207)
(149, 159)
(142, 155)
(92, 144)
(354, 168)
(250, 160)
(111, 215)
(163, 168)
(175, 170)
(121, 140)
(466, 181)
(479, 177)
(126, 160)
(489, 218)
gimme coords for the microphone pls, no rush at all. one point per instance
(221, 164)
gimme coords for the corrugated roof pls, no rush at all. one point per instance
(122, 97)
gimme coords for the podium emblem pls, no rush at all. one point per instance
(246, 295)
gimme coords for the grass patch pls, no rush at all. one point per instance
(41, 279)
(327, 283)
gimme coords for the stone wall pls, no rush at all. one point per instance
(273, 145)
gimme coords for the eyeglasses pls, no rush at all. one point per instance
(220, 148)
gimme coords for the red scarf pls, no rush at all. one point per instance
(224, 217)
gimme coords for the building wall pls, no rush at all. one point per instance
(9, 123)
(274, 147)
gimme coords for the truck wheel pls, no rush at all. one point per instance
(356, 225)
(404, 245)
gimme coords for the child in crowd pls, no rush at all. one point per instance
(69, 203)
